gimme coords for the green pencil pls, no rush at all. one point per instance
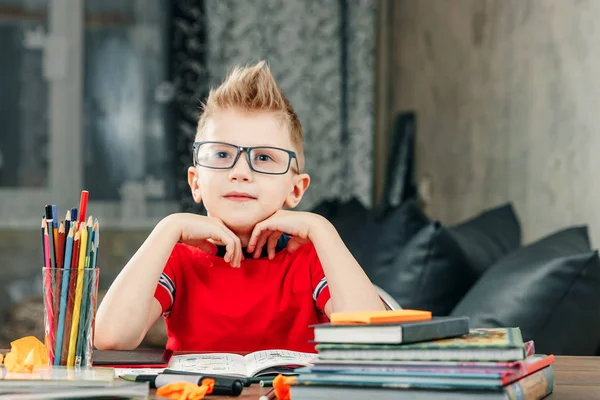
(82, 331)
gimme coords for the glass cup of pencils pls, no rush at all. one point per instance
(70, 285)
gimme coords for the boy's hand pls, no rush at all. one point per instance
(203, 232)
(296, 223)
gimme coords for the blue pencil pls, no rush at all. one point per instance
(54, 218)
(63, 298)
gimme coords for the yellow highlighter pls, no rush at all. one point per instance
(78, 296)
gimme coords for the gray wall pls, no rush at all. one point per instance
(507, 94)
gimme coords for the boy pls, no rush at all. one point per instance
(251, 275)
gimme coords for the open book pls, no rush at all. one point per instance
(259, 363)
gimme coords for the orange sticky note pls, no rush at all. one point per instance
(26, 354)
(380, 317)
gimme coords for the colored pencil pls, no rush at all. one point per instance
(50, 335)
(74, 214)
(90, 290)
(78, 295)
(79, 352)
(86, 317)
(67, 226)
(44, 251)
(63, 298)
(60, 254)
(54, 227)
(97, 240)
(50, 225)
(71, 294)
(83, 205)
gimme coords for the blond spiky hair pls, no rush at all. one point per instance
(253, 88)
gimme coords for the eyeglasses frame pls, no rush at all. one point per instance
(246, 149)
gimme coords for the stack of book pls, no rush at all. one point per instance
(435, 358)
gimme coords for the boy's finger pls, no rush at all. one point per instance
(272, 244)
(261, 242)
(235, 249)
(252, 241)
(236, 254)
(256, 234)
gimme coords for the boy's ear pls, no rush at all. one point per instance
(301, 183)
(194, 185)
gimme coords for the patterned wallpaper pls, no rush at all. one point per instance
(322, 54)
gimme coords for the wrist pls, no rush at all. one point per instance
(170, 226)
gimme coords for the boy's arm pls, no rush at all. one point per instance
(129, 308)
(350, 288)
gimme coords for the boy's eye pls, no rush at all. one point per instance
(263, 157)
(222, 154)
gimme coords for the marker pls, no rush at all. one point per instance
(227, 386)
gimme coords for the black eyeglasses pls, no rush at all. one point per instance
(262, 159)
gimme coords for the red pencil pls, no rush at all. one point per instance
(48, 302)
(83, 205)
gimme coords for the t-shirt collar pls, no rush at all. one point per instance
(281, 244)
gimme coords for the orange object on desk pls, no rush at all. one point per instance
(186, 390)
(380, 317)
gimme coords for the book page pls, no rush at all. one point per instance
(261, 360)
(210, 363)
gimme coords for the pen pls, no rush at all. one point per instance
(245, 381)
(223, 385)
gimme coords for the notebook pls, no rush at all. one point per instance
(436, 328)
(259, 363)
(493, 344)
(430, 374)
(535, 386)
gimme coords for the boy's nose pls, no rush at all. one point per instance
(241, 169)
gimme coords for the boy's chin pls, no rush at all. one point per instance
(241, 223)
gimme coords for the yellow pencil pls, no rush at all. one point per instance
(78, 295)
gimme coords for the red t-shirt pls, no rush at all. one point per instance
(265, 304)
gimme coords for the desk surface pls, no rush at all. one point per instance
(576, 378)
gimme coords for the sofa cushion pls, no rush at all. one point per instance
(387, 232)
(550, 289)
(429, 272)
(488, 236)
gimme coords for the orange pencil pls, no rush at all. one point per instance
(60, 248)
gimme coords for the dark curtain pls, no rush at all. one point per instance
(190, 77)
